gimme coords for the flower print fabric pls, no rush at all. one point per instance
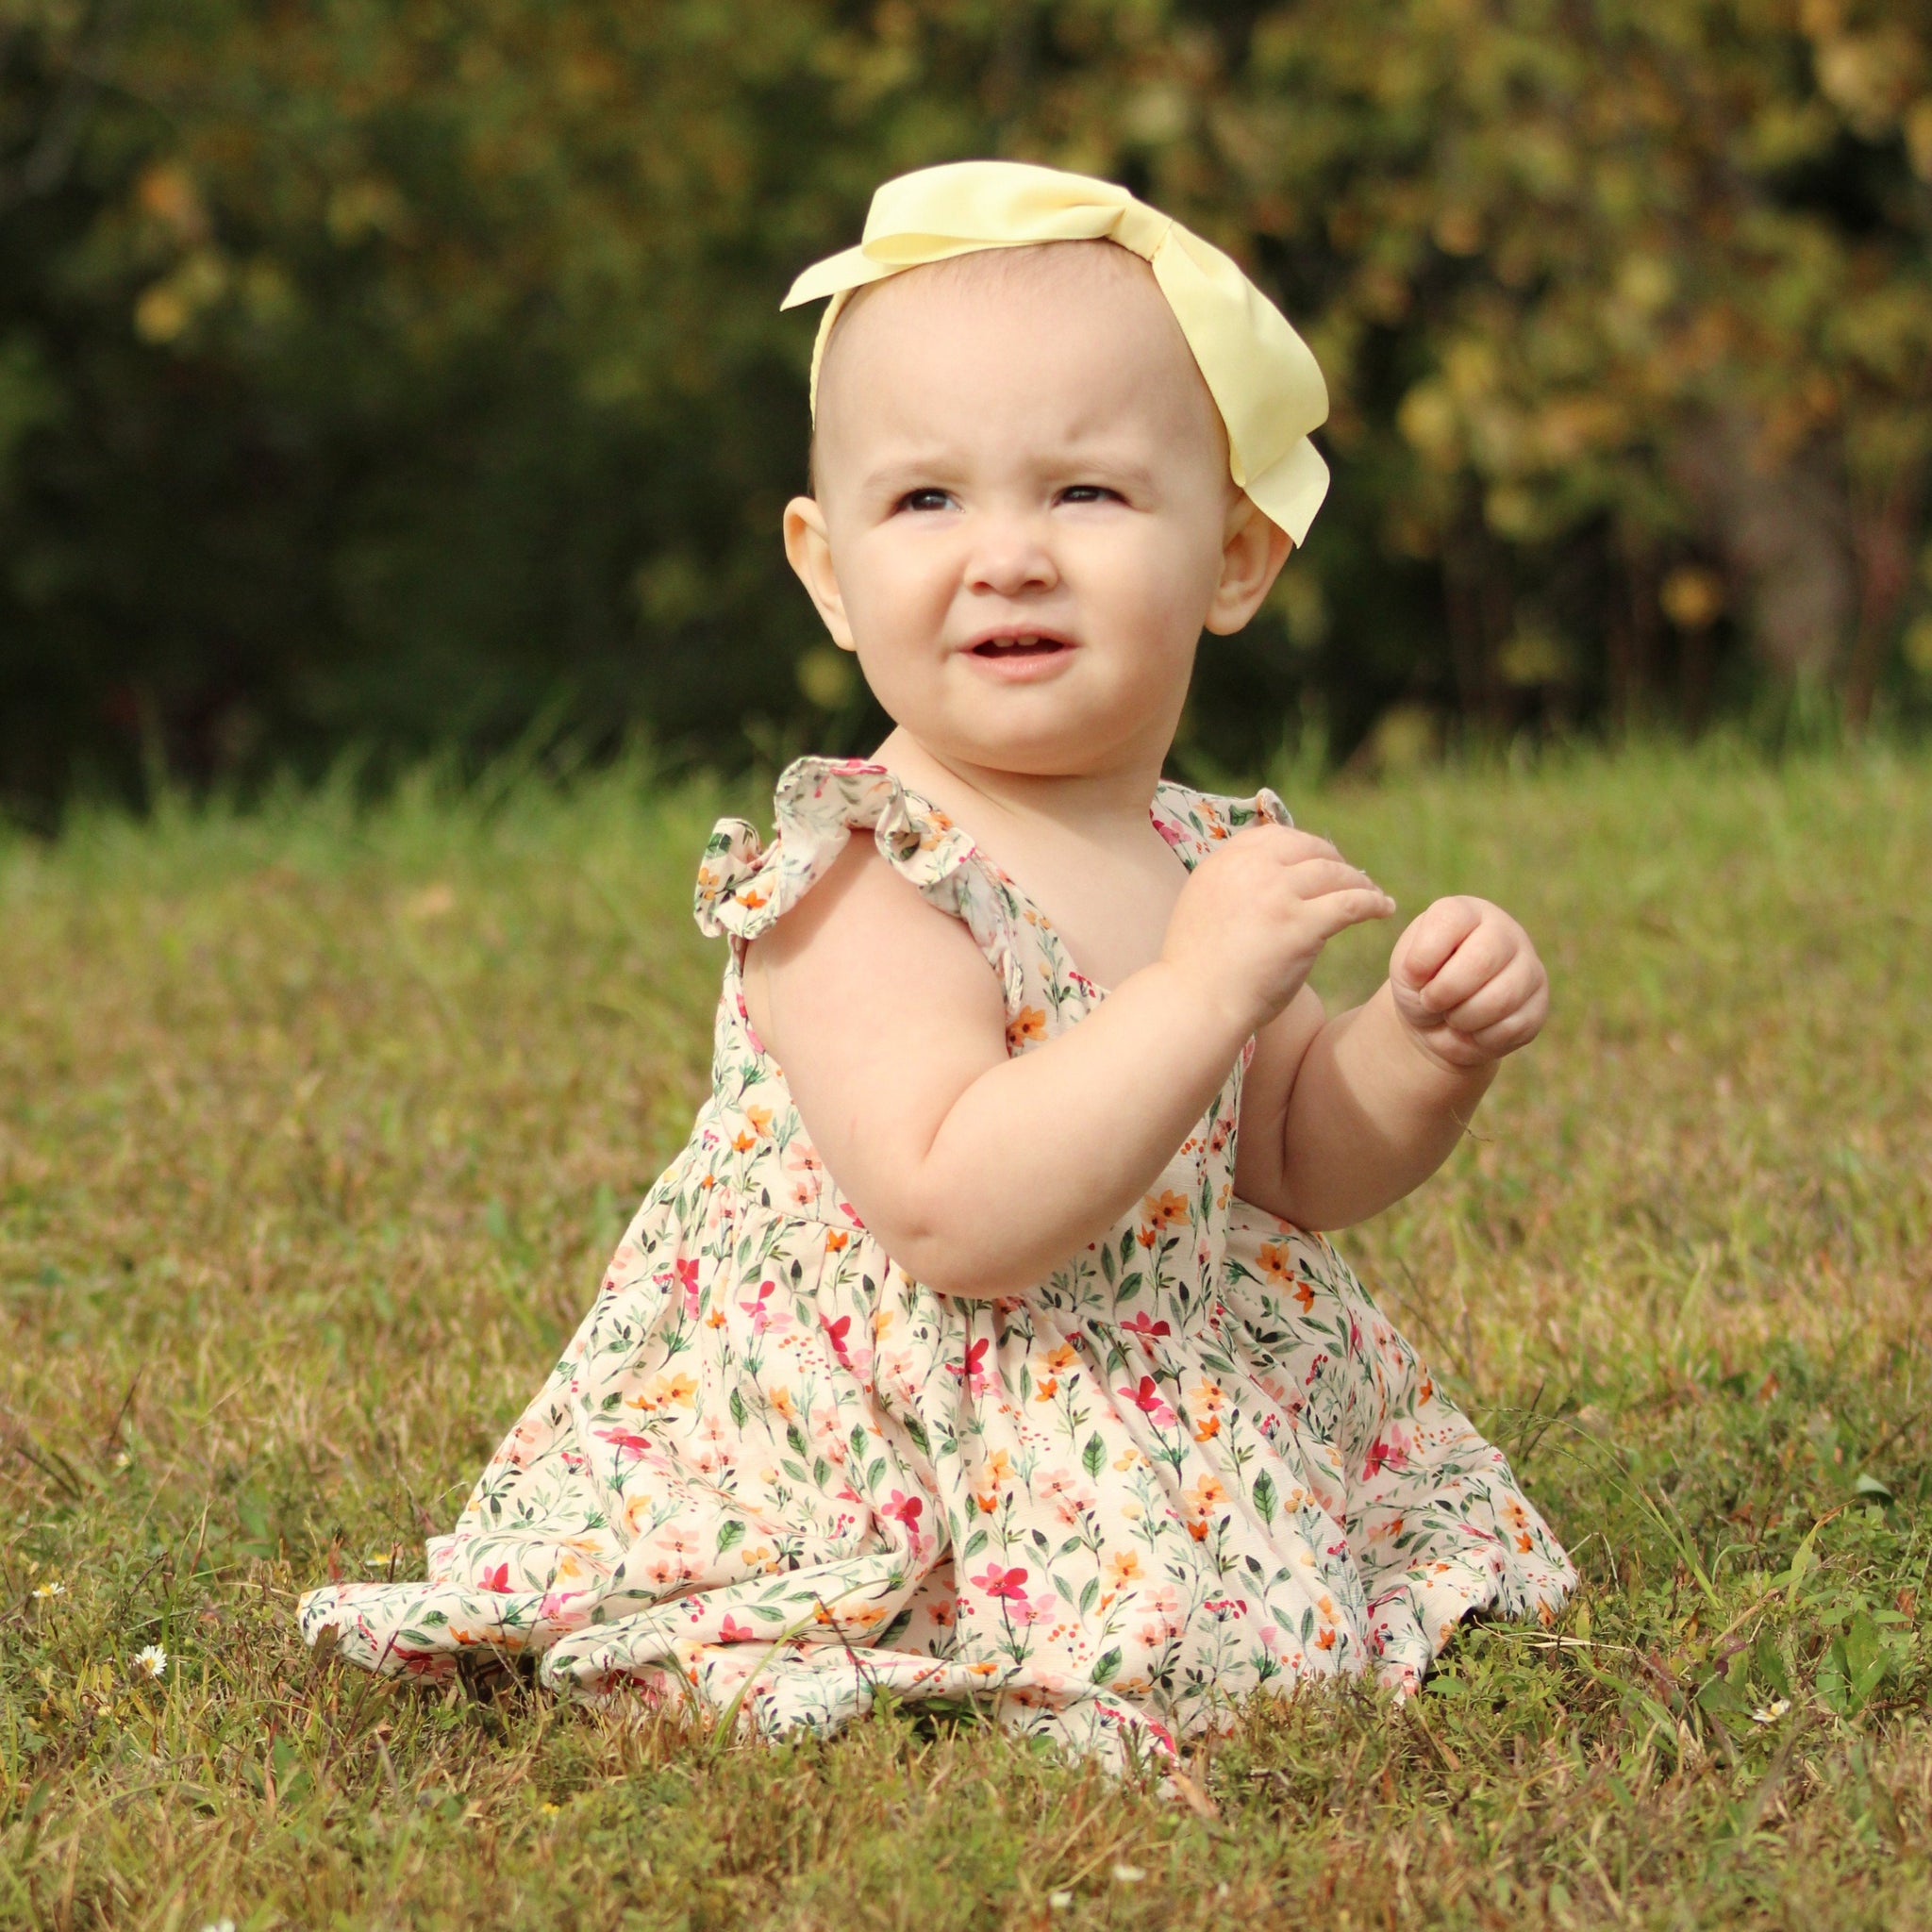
(773, 1473)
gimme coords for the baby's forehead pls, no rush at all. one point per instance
(897, 333)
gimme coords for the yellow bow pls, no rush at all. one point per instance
(1261, 374)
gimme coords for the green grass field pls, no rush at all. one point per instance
(315, 1127)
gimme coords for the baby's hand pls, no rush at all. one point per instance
(1253, 918)
(1468, 983)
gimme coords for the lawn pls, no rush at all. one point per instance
(315, 1127)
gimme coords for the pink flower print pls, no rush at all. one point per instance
(631, 1447)
(1147, 1329)
(974, 1371)
(1011, 1583)
(836, 1333)
(497, 1580)
(735, 1632)
(1389, 1453)
(906, 1509)
(760, 1315)
(687, 1281)
(1150, 1400)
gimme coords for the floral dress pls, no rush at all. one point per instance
(772, 1474)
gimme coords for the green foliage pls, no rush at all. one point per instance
(317, 1124)
(405, 374)
(390, 374)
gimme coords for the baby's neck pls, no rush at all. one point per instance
(1096, 805)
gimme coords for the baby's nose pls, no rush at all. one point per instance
(1008, 556)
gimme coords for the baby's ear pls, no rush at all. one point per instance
(1252, 554)
(808, 549)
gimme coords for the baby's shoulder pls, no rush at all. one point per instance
(820, 807)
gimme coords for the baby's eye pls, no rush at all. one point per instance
(924, 499)
(1089, 492)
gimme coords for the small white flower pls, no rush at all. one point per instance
(219, 1925)
(154, 1660)
(1059, 1900)
(1128, 1874)
(52, 1588)
(1770, 1713)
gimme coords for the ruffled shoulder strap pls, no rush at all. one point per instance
(745, 884)
(1194, 823)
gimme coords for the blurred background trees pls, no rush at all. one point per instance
(398, 373)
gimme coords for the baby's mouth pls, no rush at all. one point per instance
(1030, 646)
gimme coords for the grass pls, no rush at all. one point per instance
(315, 1126)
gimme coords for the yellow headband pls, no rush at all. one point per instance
(1260, 374)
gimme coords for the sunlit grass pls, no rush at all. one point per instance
(315, 1126)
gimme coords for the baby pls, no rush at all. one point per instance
(979, 1343)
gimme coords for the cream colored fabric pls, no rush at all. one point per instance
(1261, 374)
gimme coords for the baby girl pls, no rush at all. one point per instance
(980, 1342)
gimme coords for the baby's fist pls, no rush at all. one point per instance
(1468, 983)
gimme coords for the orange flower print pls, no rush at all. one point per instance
(1047, 1389)
(1164, 1208)
(1274, 1261)
(760, 1119)
(745, 1143)
(1122, 1566)
(836, 1238)
(1324, 1639)
(1305, 1295)
(1207, 1428)
(1029, 1023)
(1063, 1358)
(1203, 1496)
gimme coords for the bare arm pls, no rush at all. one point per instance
(1342, 1117)
(982, 1174)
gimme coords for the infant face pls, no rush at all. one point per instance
(1023, 484)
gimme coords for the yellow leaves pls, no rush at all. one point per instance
(1691, 598)
(1869, 78)
(166, 194)
(166, 309)
(359, 208)
(1431, 425)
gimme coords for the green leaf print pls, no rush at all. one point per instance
(859, 1443)
(822, 1472)
(975, 1544)
(796, 1437)
(1090, 1594)
(738, 1408)
(1108, 1666)
(916, 1429)
(1264, 1497)
(1094, 1454)
(730, 1534)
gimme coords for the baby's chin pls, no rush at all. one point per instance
(1068, 748)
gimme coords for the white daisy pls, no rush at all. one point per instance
(154, 1660)
(52, 1588)
(1770, 1713)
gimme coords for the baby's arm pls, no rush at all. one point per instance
(1339, 1118)
(979, 1173)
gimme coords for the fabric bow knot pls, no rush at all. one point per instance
(1262, 377)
